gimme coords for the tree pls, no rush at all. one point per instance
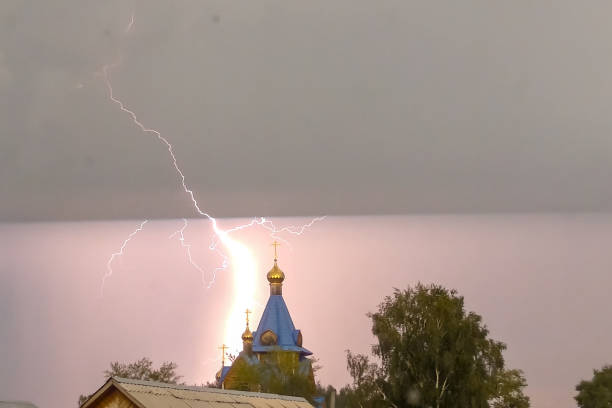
(143, 370)
(211, 384)
(140, 370)
(597, 392)
(431, 352)
(326, 392)
(509, 394)
(279, 372)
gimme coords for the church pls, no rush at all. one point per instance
(275, 342)
(276, 338)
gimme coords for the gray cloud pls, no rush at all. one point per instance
(5, 75)
(276, 108)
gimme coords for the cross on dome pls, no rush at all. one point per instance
(275, 244)
(247, 312)
(223, 348)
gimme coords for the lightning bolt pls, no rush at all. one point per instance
(109, 269)
(156, 133)
(239, 253)
(222, 235)
(130, 24)
(290, 229)
(187, 246)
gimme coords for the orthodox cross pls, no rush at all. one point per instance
(223, 348)
(275, 244)
(247, 312)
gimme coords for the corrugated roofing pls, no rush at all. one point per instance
(152, 394)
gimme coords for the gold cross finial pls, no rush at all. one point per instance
(247, 312)
(223, 348)
(275, 244)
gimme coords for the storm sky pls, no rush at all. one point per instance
(318, 107)
(474, 108)
(541, 283)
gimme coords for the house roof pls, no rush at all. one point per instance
(16, 404)
(276, 318)
(150, 394)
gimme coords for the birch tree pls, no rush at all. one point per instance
(431, 352)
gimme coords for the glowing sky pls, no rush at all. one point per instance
(541, 283)
(243, 268)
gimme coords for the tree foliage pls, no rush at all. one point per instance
(597, 392)
(140, 370)
(278, 372)
(367, 387)
(509, 391)
(143, 370)
(431, 352)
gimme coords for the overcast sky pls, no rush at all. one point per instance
(311, 107)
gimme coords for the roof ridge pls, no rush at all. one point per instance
(158, 384)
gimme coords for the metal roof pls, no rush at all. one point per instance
(16, 404)
(276, 317)
(150, 394)
(224, 371)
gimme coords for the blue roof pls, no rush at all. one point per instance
(224, 372)
(276, 317)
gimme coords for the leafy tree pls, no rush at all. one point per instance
(431, 352)
(509, 394)
(281, 374)
(596, 393)
(368, 383)
(140, 370)
(278, 372)
(143, 370)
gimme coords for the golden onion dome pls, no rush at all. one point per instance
(247, 336)
(275, 275)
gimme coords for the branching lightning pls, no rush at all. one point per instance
(222, 235)
(187, 246)
(242, 259)
(109, 269)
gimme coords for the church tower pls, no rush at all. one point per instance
(275, 336)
